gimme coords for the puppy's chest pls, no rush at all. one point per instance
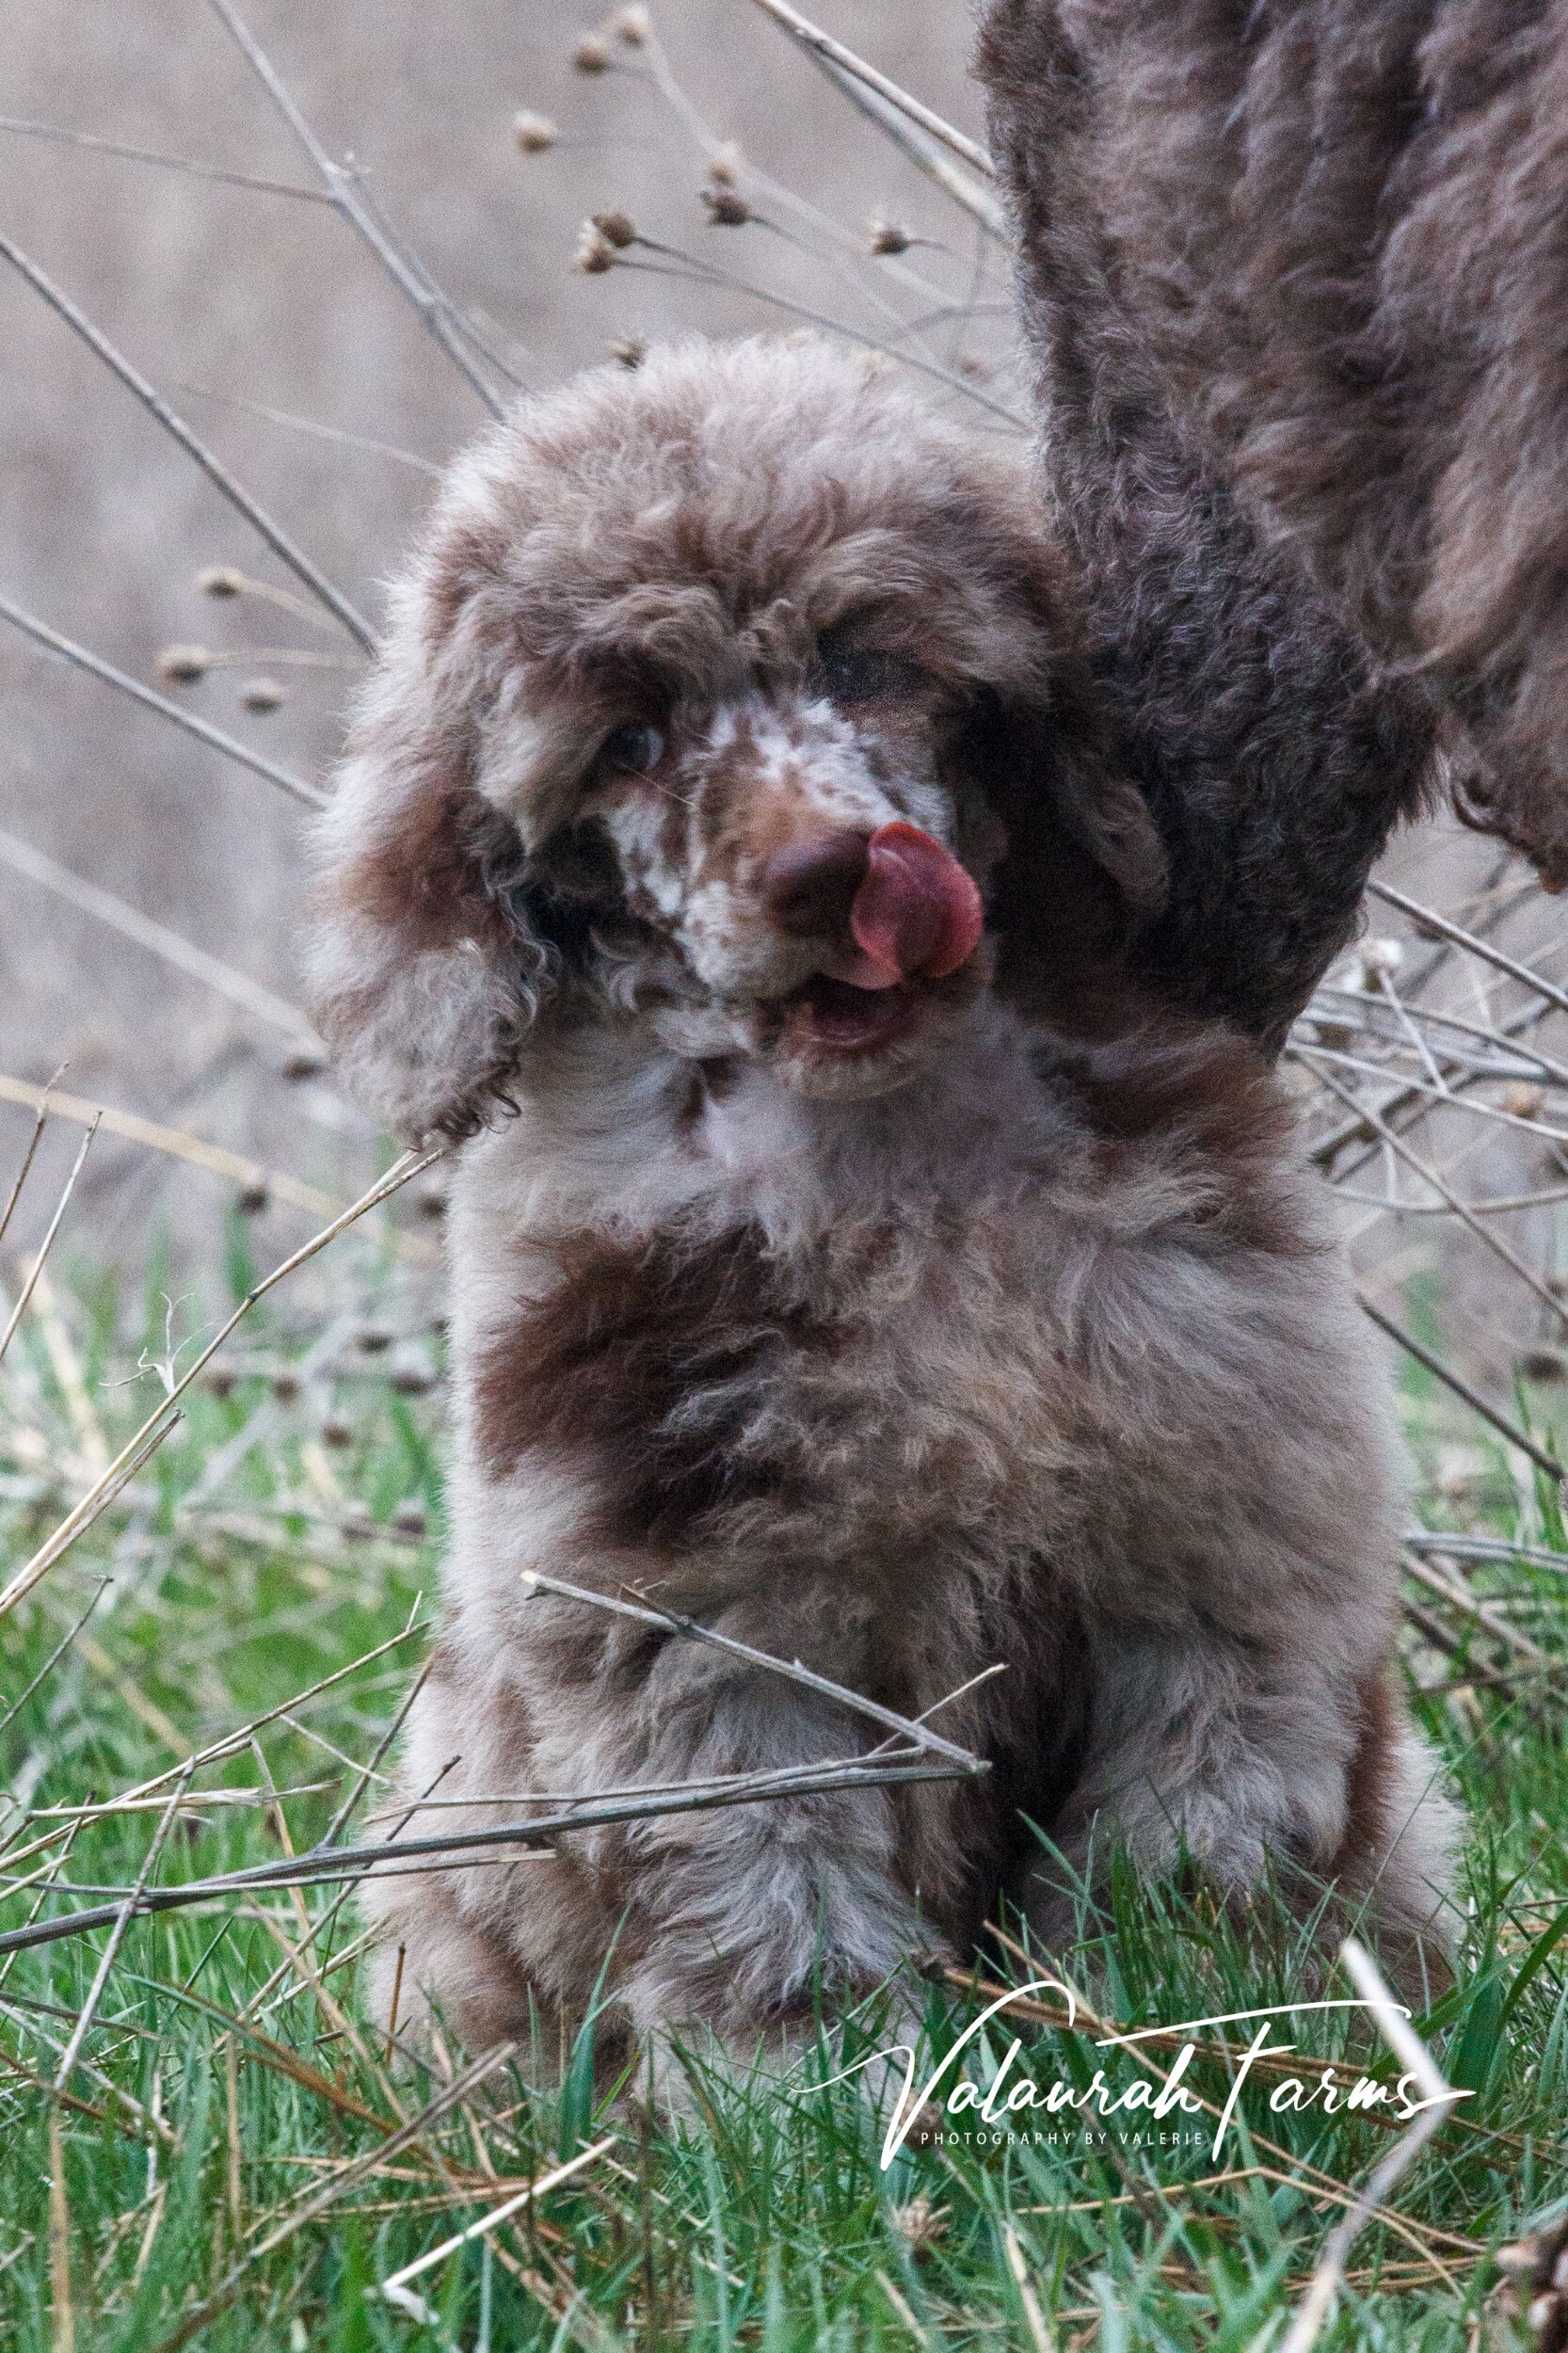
(883, 1386)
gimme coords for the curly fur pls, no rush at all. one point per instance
(1325, 241)
(1011, 1335)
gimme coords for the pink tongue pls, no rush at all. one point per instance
(916, 916)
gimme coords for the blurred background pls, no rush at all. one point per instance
(334, 380)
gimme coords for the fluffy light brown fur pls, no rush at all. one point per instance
(1009, 1331)
(1332, 235)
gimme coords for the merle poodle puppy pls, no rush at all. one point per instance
(851, 1249)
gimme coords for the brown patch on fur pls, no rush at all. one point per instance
(651, 1355)
(1367, 1827)
(1037, 1738)
(426, 881)
(1204, 1098)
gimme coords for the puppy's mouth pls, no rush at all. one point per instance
(916, 921)
(835, 1017)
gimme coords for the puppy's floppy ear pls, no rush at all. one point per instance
(424, 968)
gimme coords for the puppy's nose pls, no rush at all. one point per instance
(809, 887)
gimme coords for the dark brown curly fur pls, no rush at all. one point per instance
(1311, 252)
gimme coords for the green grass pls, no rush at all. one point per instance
(221, 2084)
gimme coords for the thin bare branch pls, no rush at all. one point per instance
(709, 273)
(1439, 1183)
(398, 2291)
(129, 921)
(1425, 920)
(228, 746)
(1460, 1387)
(217, 473)
(230, 1743)
(1484, 1548)
(410, 279)
(101, 1978)
(170, 163)
(1451, 1590)
(969, 195)
(40, 1121)
(180, 1146)
(1392, 2166)
(29, 1285)
(54, 1657)
(824, 46)
(1530, 1055)
(672, 1621)
(334, 433)
(413, 1857)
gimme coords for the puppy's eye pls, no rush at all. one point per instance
(631, 751)
(863, 674)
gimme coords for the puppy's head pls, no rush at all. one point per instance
(736, 696)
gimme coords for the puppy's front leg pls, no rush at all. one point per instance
(729, 1916)
(1204, 1749)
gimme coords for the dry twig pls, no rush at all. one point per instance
(1392, 2166)
(230, 745)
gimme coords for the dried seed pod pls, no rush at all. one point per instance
(410, 1519)
(630, 350)
(263, 694)
(1377, 958)
(253, 1198)
(182, 666)
(335, 1432)
(220, 1381)
(286, 1386)
(535, 135)
(724, 165)
(304, 1064)
(594, 254)
(1535, 2284)
(1543, 1364)
(727, 209)
(616, 228)
(357, 1520)
(592, 55)
(630, 25)
(886, 236)
(920, 2222)
(431, 1201)
(1522, 1098)
(220, 580)
(373, 1339)
(1460, 1470)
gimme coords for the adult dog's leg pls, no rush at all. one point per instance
(1274, 763)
